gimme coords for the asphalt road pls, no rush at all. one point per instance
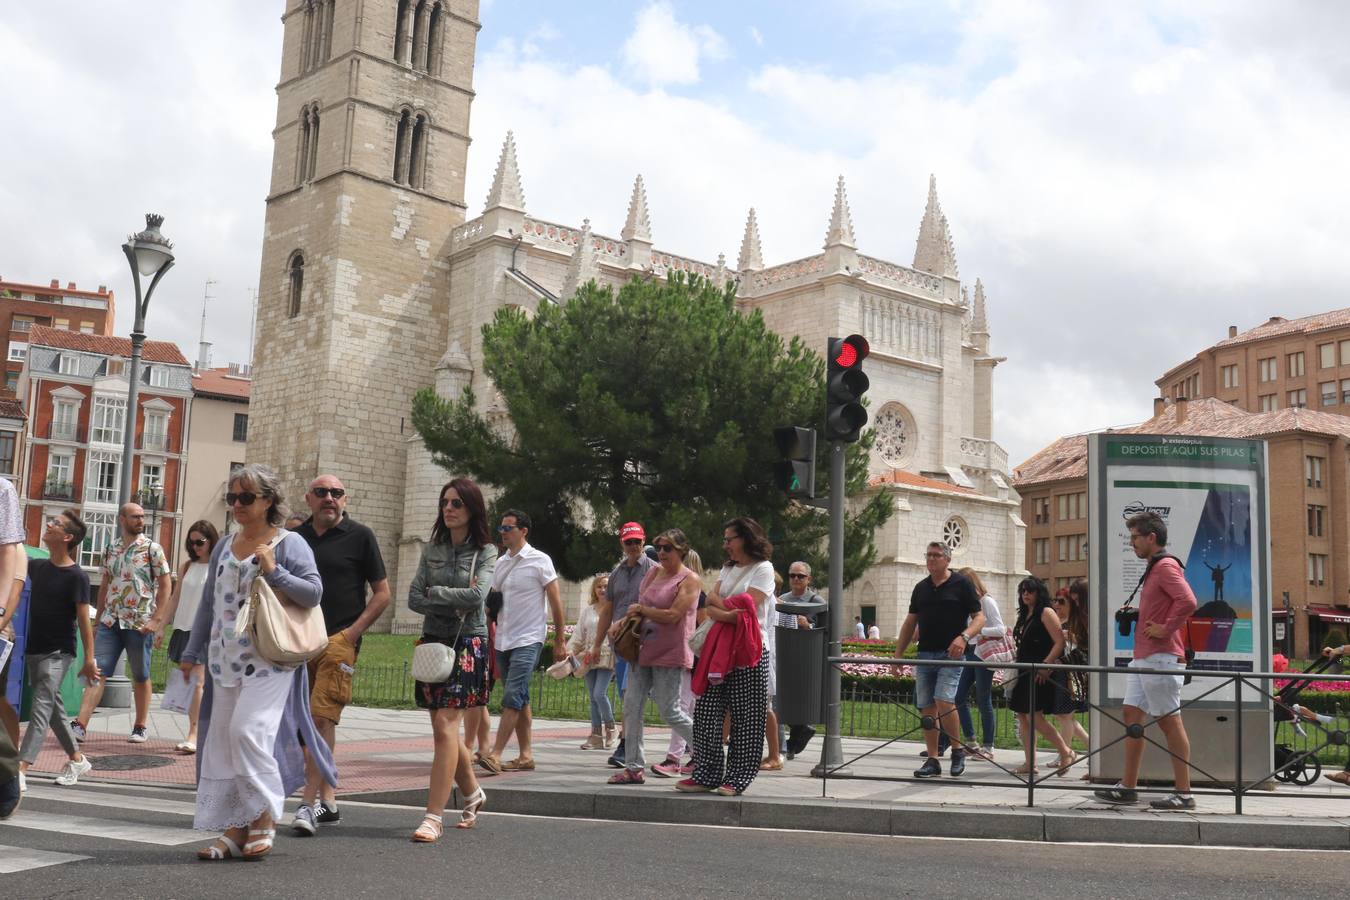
(137, 843)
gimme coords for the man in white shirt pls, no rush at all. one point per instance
(859, 629)
(529, 587)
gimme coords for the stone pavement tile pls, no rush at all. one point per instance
(954, 821)
(662, 803)
(1082, 826)
(858, 817)
(1265, 831)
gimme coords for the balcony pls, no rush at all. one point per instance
(104, 495)
(154, 442)
(65, 431)
(24, 325)
(979, 453)
(53, 489)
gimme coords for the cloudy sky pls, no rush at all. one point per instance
(1127, 179)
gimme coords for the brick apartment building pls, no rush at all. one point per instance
(217, 437)
(74, 388)
(1309, 457)
(23, 306)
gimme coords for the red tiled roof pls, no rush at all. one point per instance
(1208, 417)
(1277, 326)
(152, 351)
(899, 476)
(11, 409)
(220, 383)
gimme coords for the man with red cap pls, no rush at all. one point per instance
(621, 593)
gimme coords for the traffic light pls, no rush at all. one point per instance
(795, 473)
(845, 385)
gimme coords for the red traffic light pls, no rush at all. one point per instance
(849, 352)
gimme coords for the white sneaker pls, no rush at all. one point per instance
(73, 770)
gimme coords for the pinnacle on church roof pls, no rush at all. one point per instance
(934, 251)
(639, 224)
(506, 189)
(751, 258)
(581, 268)
(979, 321)
(840, 231)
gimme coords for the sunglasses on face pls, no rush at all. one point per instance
(452, 502)
(665, 548)
(335, 493)
(243, 498)
(797, 575)
(632, 542)
(197, 542)
(505, 529)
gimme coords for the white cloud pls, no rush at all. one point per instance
(662, 50)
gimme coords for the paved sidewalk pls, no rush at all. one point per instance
(383, 756)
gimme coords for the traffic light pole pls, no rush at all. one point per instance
(832, 753)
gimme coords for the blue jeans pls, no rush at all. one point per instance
(932, 683)
(515, 666)
(109, 644)
(983, 682)
(597, 686)
(620, 674)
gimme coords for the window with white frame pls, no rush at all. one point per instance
(18, 352)
(1295, 363)
(152, 481)
(70, 364)
(1268, 370)
(105, 471)
(156, 436)
(60, 467)
(101, 528)
(1230, 376)
(109, 417)
(159, 376)
(65, 420)
(1317, 569)
(1312, 470)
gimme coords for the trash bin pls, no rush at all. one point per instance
(800, 659)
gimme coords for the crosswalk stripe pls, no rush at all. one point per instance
(21, 859)
(111, 829)
(99, 798)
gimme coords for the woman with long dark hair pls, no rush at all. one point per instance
(449, 589)
(200, 542)
(1039, 640)
(742, 692)
(1072, 608)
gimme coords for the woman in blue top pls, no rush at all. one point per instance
(254, 712)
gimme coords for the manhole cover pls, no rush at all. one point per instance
(125, 763)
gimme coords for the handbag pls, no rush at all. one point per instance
(629, 640)
(433, 661)
(700, 636)
(996, 650)
(284, 633)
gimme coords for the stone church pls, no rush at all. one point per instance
(375, 283)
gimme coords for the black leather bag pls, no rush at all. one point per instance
(493, 604)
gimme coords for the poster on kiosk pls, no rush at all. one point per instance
(1212, 495)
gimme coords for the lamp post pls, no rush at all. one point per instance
(149, 254)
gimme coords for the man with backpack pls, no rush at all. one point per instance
(1165, 603)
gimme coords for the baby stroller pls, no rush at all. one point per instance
(1295, 766)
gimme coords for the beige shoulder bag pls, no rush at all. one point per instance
(284, 633)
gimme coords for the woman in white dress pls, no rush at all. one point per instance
(181, 610)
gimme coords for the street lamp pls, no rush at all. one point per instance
(149, 253)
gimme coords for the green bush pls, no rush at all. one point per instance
(1335, 638)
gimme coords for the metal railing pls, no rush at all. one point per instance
(1292, 761)
(154, 441)
(58, 490)
(65, 431)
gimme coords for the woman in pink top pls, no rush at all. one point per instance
(667, 604)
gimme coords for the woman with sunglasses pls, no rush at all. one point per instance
(449, 590)
(182, 609)
(254, 712)
(1072, 607)
(1039, 640)
(666, 608)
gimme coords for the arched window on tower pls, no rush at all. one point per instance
(419, 49)
(296, 270)
(436, 39)
(403, 32)
(302, 148)
(312, 154)
(402, 139)
(307, 41)
(417, 155)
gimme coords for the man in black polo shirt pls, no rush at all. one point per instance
(945, 607)
(348, 559)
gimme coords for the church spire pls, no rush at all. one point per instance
(934, 251)
(979, 320)
(751, 258)
(639, 224)
(840, 232)
(506, 190)
(581, 268)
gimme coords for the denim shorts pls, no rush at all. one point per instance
(109, 644)
(935, 682)
(514, 668)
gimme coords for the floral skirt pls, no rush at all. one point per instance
(468, 684)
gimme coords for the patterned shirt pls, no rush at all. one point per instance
(130, 572)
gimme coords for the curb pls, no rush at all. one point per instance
(628, 804)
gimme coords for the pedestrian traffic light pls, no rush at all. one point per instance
(845, 385)
(795, 473)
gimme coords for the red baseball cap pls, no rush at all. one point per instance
(632, 530)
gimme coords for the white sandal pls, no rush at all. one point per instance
(185, 747)
(430, 831)
(469, 814)
(214, 852)
(263, 839)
